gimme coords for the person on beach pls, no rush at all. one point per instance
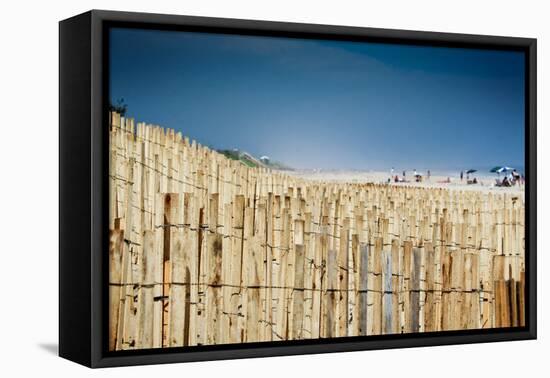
(515, 176)
(461, 175)
(510, 178)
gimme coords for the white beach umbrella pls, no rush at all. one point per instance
(504, 169)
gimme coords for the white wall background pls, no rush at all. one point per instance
(29, 184)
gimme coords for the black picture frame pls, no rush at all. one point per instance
(83, 182)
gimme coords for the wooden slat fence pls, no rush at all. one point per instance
(204, 250)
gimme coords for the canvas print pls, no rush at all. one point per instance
(265, 189)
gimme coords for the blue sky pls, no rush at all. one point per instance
(326, 104)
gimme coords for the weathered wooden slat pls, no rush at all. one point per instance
(387, 302)
(116, 244)
(175, 263)
(234, 298)
(406, 287)
(502, 304)
(213, 274)
(296, 329)
(146, 320)
(374, 321)
(343, 278)
(430, 288)
(330, 294)
(520, 287)
(415, 289)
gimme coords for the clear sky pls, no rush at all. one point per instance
(326, 104)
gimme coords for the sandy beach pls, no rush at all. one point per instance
(486, 182)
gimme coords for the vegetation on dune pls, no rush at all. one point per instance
(236, 155)
(251, 161)
(233, 155)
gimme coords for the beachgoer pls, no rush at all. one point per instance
(461, 175)
(516, 177)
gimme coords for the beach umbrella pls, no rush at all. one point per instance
(504, 169)
(500, 169)
(471, 171)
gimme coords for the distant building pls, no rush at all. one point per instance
(265, 159)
